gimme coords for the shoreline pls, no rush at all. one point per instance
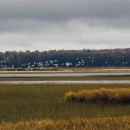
(69, 70)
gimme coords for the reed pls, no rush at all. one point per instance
(110, 123)
(30, 102)
(103, 95)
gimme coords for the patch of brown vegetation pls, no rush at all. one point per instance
(110, 123)
(103, 95)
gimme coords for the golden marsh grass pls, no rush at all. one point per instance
(46, 101)
(110, 123)
(42, 107)
(103, 95)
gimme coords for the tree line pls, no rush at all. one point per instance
(65, 58)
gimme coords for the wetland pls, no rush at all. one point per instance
(39, 102)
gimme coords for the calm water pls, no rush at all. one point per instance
(64, 74)
(69, 82)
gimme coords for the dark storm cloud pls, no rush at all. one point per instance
(63, 9)
(34, 14)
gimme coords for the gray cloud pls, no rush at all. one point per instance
(63, 10)
(70, 24)
(30, 14)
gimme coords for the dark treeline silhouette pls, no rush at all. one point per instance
(65, 58)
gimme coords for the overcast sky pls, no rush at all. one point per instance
(64, 24)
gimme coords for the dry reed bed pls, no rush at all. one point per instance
(103, 95)
(111, 123)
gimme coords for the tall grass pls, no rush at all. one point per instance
(103, 95)
(30, 102)
(110, 123)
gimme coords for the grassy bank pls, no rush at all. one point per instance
(30, 102)
(66, 78)
(67, 70)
